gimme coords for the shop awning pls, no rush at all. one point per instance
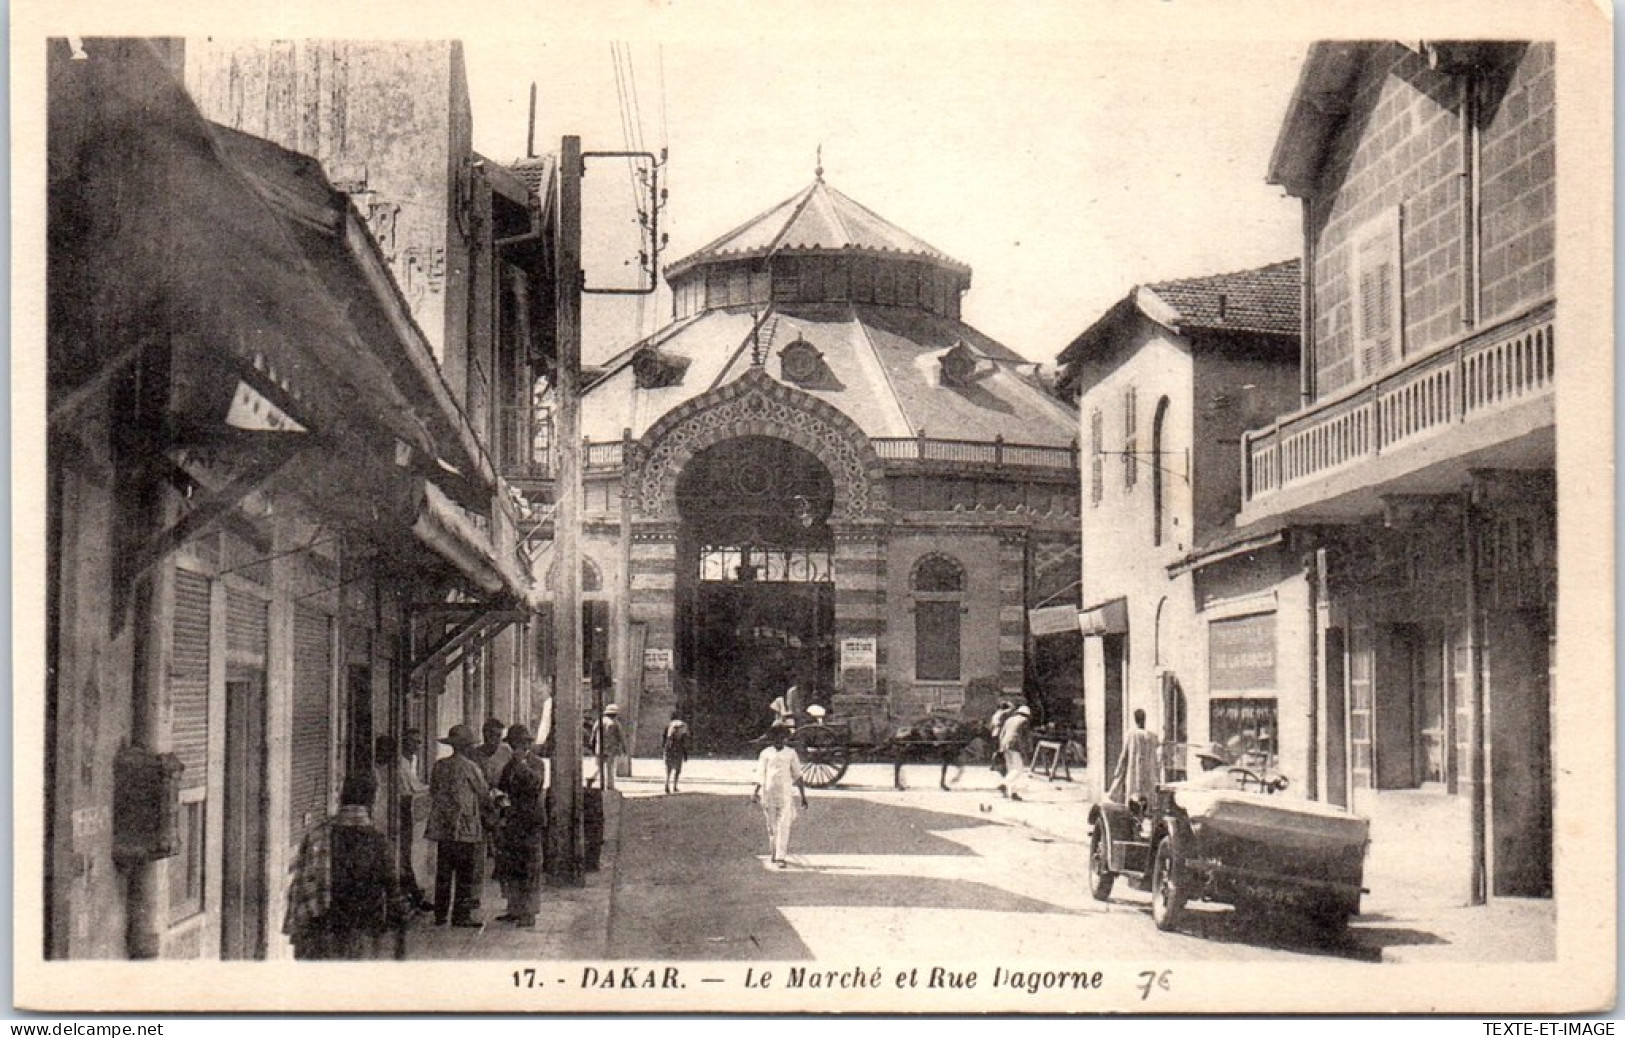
(1110, 617)
(242, 259)
(447, 529)
(1055, 619)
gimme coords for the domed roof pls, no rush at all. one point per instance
(817, 219)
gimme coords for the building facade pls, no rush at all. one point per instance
(1423, 449)
(1166, 382)
(267, 510)
(463, 237)
(818, 476)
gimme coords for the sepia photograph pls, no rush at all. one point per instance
(1052, 508)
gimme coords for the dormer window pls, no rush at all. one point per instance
(959, 365)
(801, 361)
(656, 370)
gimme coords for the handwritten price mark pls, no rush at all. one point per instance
(1152, 980)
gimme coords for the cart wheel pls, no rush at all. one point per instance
(824, 757)
(1168, 892)
(1101, 877)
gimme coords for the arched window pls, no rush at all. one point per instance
(1159, 477)
(938, 583)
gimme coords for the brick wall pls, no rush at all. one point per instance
(1400, 146)
(1519, 187)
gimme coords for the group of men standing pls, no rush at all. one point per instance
(485, 802)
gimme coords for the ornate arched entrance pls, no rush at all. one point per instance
(755, 585)
(745, 466)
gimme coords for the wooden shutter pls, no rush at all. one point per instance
(1378, 320)
(1131, 438)
(189, 677)
(1097, 472)
(246, 624)
(310, 770)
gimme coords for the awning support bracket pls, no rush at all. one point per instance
(215, 506)
(461, 635)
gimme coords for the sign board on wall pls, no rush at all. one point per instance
(1061, 619)
(1241, 654)
(657, 670)
(858, 666)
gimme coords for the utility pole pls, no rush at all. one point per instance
(564, 833)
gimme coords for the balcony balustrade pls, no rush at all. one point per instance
(1468, 381)
(525, 456)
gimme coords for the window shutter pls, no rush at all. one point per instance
(1131, 441)
(189, 676)
(309, 771)
(1377, 294)
(1096, 461)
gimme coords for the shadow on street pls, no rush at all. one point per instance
(690, 882)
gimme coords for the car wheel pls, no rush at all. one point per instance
(1101, 877)
(1168, 893)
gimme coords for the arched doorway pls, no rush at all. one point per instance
(755, 585)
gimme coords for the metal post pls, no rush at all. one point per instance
(564, 841)
(1477, 765)
(622, 621)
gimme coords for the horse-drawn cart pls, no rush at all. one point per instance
(825, 749)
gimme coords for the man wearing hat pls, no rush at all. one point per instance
(778, 780)
(608, 743)
(1215, 761)
(1015, 742)
(519, 847)
(458, 796)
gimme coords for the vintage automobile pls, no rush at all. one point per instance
(1245, 845)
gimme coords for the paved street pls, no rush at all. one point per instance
(959, 875)
(879, 873)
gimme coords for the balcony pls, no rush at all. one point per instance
(1485, 401)
(525, 458)
(976, 452)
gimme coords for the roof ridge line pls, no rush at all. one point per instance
(801, 207)
(835, 211)
(885, 375)
(1221, 274)
(756, 326)
(931, 251)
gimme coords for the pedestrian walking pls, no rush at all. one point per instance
(519, 847)
(608, 743)
(342, 898)
(778, 780)
(1015, 742)
(995, 727)
(674, 748)
(459, 799)
(1139, 766)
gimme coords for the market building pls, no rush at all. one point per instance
(1166, 382)
(1423, 447)
(817, 475)
(275, 527)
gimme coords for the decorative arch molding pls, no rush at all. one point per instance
(755, 404)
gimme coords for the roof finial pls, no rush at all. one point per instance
(818, 171)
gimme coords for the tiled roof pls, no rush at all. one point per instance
(1262, 300)
(819, 218)
(534, 171)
